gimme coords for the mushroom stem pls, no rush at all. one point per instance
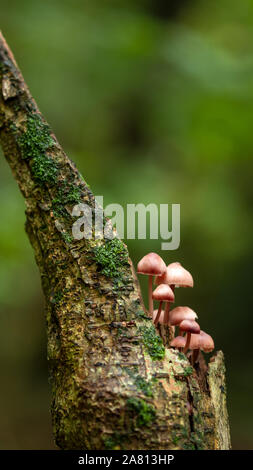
(150, 300)
(167, 308)
(195, 355)
(158, 313)
(187, 344)
(167, 314)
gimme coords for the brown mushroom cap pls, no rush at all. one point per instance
(151, 264)
(178, 342)
(195, 342)
(206, 342)
(176, 275)
(163, 293)
(202, 341)
(189, 326)
(179, 314)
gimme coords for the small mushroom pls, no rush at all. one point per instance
(178, 314)
(201, 341)
(175, 276)
(190, 327)
(151, 265)
(178, 342)
(163, 293)
(207, 343)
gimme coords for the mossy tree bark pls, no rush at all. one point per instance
(114, 383)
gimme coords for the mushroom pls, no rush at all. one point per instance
(175, 276)
(207, 343)
(178, 314)
(163, 293)
(178, 342)
(201, 341)
(189, 327)
(152, 265)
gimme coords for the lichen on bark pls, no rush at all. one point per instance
(115, 383)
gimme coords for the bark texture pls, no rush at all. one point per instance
(115, 383)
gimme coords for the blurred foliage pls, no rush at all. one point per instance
(153, 100)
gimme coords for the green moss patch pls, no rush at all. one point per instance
(113, 441)
(144, 385)
(141, 315)
(111, 258)
(67, 194)
(145, 413)
(188, 371)
(182, 356)
(67, 237)
(33, 143)
(44, 169)
(36, 139)
(57, 297)
(152, 342)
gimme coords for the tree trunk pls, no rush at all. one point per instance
(114, 383)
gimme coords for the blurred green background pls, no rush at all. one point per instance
(153, 100)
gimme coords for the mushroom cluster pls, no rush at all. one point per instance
(190, 336)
